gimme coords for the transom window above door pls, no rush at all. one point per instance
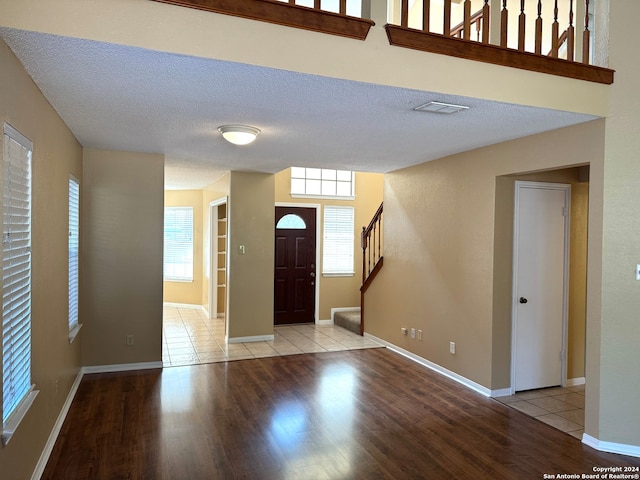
(322, 182)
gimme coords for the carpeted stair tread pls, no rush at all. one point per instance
(349, 320)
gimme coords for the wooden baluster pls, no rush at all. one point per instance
(485, 22)
(447, 18)
(380, 237)
(467, 20)
(571, 39)
(539, 29)
(522, 26)
(586, 36)
(426, 15)
(343, 7)
(554, 32)
(363, 244)
(374, 244)
(404, 14)
(504, 23)
(316, 4)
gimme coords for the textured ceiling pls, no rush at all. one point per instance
(123, 98)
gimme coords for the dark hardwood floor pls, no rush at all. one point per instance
(363, 414)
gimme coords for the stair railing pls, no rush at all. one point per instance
(526, 41)
(372, 258)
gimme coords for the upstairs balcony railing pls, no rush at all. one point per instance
(547, 36)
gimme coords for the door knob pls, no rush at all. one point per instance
(523, 300)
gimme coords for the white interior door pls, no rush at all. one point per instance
(540, 281)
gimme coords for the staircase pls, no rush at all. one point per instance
(371, 242)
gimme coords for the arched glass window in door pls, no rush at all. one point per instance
(292, 222)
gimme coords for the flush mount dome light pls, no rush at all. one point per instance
(239, 134)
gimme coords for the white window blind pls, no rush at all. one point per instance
(16, 280)
(337, 249)
(178, 243)
(74, 254)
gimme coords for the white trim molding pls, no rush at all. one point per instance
(611, 447)
(328, 321)
(256, 338)
(121, 367)
(53, 436)
(433, 366)
(572, 382)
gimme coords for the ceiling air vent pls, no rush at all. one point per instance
(440, 107)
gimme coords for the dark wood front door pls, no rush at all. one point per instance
(295, 269)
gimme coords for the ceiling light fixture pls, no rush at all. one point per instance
(238, 134)
(440, 107)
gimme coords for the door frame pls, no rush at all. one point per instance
(317, 207)
(213, 256)
(565, 277)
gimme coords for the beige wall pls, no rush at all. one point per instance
(55, 362)
(613, 356)
(122, 257)
(188, 292)
(250, 276)
(439, 251)
(340, 291)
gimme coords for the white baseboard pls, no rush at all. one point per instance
(53, 436)
(187, 305)
(121, 367)
(620, 448)
(256, 338)
(433, 366)
(572, 382)
(325, 322)
(343, 309)
(500, 392)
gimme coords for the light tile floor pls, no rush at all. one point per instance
(562, 408)
(189, 338)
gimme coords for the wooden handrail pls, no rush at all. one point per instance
(372, 259)
(528, 53)
(288, 14)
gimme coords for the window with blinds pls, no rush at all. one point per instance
(17, 391)
(74, 255)
(178, 244)
(338, 236)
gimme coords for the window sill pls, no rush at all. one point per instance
(74, 332)
(9, 428)
(338, 274)
(323, 197)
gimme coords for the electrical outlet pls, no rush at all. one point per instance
(404, 331)
(413, 333)
(420, 335)
(452, 348)
(129, 340)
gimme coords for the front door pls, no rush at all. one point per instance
(540, 262)
(295, 269)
